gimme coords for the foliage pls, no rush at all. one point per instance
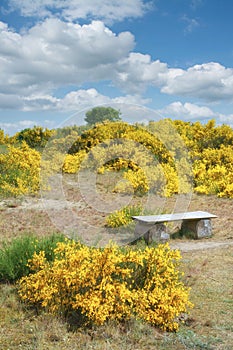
(100, 114)
(3, 149)
(14, 255)
(161, 180)
(37, 137)
(166, 157)
(72, 163)
(133, 150)
(103, 132)
(69, 130)
(135, 182)
(209, 325)
(123, 216)
(211, 151)
(4, 139)
(213, 173)
(110, 283)
(198, 136)
(19, 171)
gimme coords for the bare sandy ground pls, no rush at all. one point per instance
(71, 215)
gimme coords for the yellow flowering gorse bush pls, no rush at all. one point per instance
(72, 162)
(165, 157)
(110, 283)
(19, 170)
(123, 216)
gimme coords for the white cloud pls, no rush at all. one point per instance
(26, 123)
(137, 71)
(209, 81)
(39, 102)
(106, 10)
(55, 53)
(186, 111)
(81, 99)
(76, 101)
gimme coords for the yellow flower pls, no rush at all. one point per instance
(109, 283)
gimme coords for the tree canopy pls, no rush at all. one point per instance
(100, 114)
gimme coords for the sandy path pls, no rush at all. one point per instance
(34, 215)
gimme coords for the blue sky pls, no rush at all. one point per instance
(168, 58)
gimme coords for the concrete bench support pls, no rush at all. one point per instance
(200, 228)
(153, 227)
(151, 233)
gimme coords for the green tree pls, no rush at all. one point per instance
(100, 114)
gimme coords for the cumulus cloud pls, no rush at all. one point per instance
(76, 101)
(137, 71)
(186, 111)
(39, 102)
(208, 81)
(106, 10)
(192, 112)
(55, 53)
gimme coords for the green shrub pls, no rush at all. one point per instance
(14, 255)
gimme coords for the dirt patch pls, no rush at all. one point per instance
(200, 245)
(36, 215)
(207, 266)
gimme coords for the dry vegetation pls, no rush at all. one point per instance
(207, 271)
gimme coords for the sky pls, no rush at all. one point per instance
(166, 58)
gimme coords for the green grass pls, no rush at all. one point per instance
(23, 328)
(14, 255)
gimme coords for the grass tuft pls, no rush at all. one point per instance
(14, 255)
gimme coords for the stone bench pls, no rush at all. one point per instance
(154, 229)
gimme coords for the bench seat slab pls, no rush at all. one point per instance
(153, 228)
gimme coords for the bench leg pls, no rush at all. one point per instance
(151, 233)
(200, 228)
(141, 229)
(158, 233)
